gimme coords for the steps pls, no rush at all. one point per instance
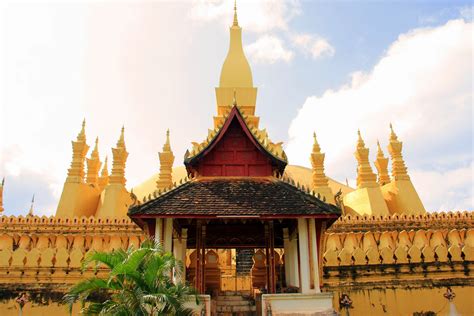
(235, 304)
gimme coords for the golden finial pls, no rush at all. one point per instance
(379, 149)
(30, 212)
(95, 152)
(82, 134)
(399, 170)
(167, 146)
(360, 141)
(365, 175)
(316, 147)
(393, 136)
(121, 141)
(234, 100)
(236, 22)
(105, 171)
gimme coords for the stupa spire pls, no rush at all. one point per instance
(104, 175)
(399, 170)
(365, 176)
(381, 163)
(320, 181)
(236, 22)
(79, 151)
(30, 212)
(236, 71)
(120, 155)
(165, 178)
(121, 141)
(93, 166)
(82, 134)
(236, 75)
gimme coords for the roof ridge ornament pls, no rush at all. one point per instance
(234, 100)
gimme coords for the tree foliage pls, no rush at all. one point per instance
(139, 282)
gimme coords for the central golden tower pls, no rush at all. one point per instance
(236, 79)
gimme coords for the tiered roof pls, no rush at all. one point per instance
(243, 197)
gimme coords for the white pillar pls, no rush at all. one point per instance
(314, 253)
(288, 261)
(168, 234)
(307, 279)
(184, 245)
(159, 230)
(294, 274)
(177, 251)
(164, 233)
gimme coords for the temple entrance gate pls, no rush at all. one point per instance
(235, 256)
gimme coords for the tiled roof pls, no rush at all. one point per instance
(239, 197)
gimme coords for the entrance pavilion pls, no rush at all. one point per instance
(236, 203)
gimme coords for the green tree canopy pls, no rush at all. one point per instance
(139, 282)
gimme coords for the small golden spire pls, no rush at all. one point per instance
(381, 163)
(316, 147)
(119, 160)
(167, 146)
(236, 22)
(105, 171)
(399, 170)
(30, 212)
(365, 176)
(121, 141)
(165, 178)
(104, 175)
(93, 165)
(95, 152)
(379, 150)
(393, 136)
(360, 141)
(81, 137)
(320, 183)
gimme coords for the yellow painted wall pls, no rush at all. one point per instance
(11, 308)
(408, 301)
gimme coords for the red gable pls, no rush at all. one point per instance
(234, 152)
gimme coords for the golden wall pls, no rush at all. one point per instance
(42, 256)
(400, 265)
(392, 265)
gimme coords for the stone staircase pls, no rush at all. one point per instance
(235, 304)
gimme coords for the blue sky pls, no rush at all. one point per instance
(154, 65)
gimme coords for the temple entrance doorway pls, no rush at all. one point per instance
(242, 270)
(235, 256)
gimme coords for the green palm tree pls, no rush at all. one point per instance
(139, 283)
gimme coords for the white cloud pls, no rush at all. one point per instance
(423, 84)
(313, 45)
(268, 49)
(254, 16)
(445, 191)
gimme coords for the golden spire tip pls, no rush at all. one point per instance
(236, 22)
